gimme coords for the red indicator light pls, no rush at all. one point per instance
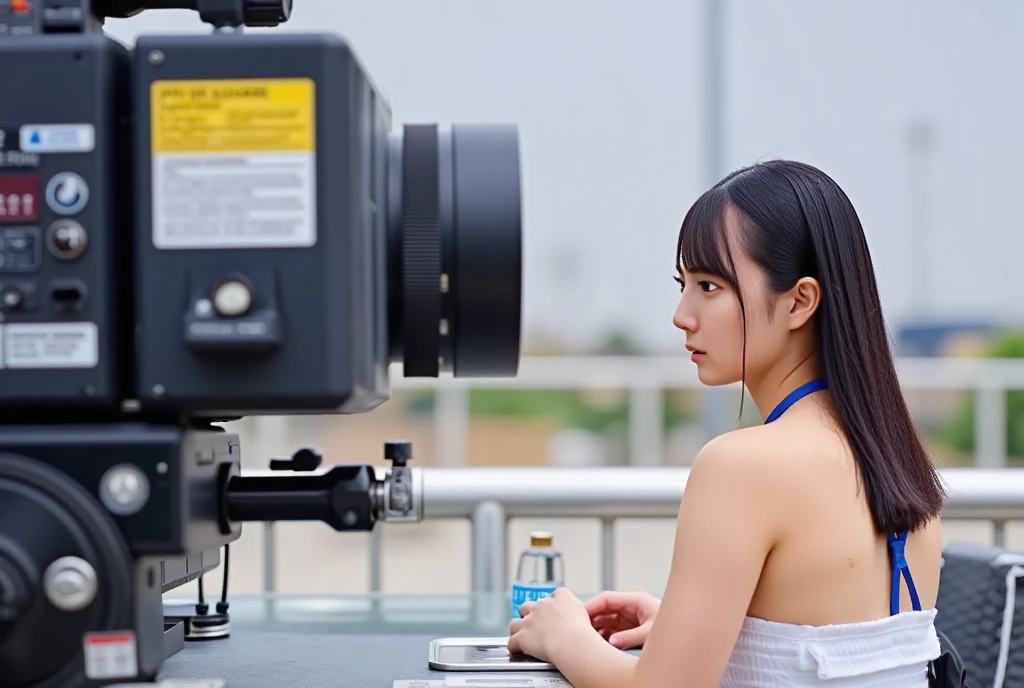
(19, 198)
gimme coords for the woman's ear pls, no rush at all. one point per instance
(806, 296)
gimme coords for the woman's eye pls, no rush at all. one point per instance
(705, 285)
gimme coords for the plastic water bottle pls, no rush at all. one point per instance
(541, 571)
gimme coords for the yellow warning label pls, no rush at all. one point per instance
(233, 116)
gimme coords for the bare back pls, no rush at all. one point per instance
(828, 564)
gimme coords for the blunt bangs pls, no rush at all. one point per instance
(703, 244)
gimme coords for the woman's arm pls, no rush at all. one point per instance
(590, 662)
(724, 533)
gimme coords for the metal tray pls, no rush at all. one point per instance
(480, 654)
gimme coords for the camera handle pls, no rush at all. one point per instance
(347, 497)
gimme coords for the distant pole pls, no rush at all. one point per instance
(920, 141)
(713, 106)
(717, 414)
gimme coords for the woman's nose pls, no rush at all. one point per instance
(685, 318)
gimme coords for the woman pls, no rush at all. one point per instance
(792, 535)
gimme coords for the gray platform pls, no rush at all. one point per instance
(336, 642)
(268, 660)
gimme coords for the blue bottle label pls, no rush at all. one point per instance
(522, 593)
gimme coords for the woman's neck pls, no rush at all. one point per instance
(769, 391)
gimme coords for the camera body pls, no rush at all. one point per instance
(192, 230)
(65, 232)
(261, 251)
(225, 225)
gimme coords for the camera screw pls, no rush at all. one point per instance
(70, 584)
(156, 58)
(305, 459)
(124, 490)
(399, 499)
(399, 452)
(13, 298)
(159, 391)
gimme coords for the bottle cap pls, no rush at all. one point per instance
(541, 538)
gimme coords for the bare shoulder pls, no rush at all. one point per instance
(734, 477)
(772, 470)
(928, 538)
(758, 456)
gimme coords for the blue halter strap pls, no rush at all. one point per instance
(897, 554)
(794, 396)
(897, 542)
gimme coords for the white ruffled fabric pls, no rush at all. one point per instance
(894, 651)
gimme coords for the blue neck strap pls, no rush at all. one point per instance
(794, 396)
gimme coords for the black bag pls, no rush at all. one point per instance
(948, 670)
(981, 615)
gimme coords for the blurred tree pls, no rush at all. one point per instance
(567, 408)
(959, 432)
(603, 413)
(618, 343)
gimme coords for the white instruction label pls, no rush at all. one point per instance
(110, 655)
(491, 680)
(57, 138)
(234, 201)
(176, 683)
(50, 345)
(234, 163)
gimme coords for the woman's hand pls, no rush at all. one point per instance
(550, 623)
(624, 619)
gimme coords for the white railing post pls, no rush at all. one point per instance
(999, 532)
(990, 421)
(607, 554)
(646, 414)
(269, 558)
(489, 547)
(451, 426)
(376, 561)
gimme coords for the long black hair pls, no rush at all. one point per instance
(795, 222)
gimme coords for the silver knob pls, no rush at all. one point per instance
(70, 584)
(232, 298)
(124, 490)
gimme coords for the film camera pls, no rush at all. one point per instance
(193, 230)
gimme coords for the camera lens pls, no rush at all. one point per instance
(455, 250)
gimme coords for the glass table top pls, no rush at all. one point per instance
(368, 640)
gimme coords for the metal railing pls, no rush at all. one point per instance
(646, 377)
(490, 497)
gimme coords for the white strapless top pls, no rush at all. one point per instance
(894, 651)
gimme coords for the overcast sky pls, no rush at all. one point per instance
(608, 99)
